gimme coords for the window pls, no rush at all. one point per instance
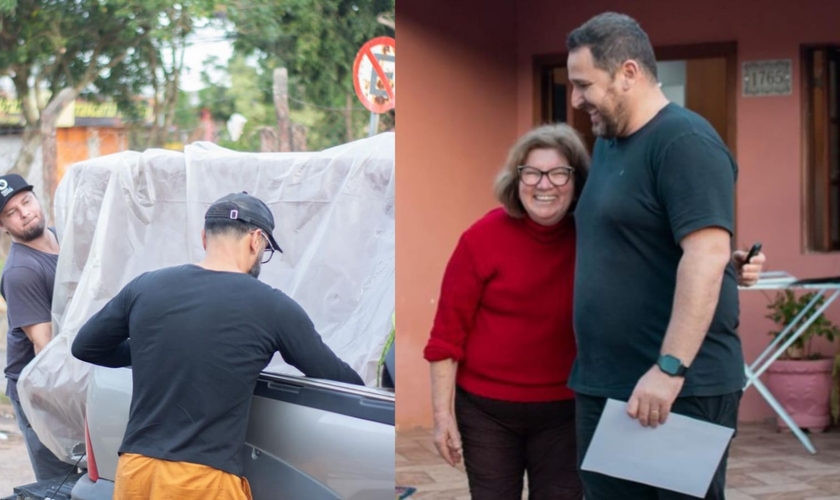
(822, 154)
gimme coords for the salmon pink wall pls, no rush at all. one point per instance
(769, 149)
(457, 118)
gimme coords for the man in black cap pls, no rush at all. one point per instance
(197, 338)
(27, 287)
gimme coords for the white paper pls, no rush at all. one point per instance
(682, 455)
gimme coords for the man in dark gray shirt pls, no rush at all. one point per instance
(27, 287)
(197, 338)
(656, 297)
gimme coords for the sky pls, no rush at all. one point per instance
(203, 43)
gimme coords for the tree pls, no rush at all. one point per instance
(243, 95)
(158, 68)
(55, 50)
(317, 40)
(241, 87)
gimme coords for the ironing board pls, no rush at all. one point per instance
(828, 287)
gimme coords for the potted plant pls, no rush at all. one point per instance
(801, 380)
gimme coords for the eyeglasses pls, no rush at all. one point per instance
(558, 176)
(268, 252)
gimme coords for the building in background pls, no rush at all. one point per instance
(84, 130)
(476, 74)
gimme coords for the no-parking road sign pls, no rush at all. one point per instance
(374, 75)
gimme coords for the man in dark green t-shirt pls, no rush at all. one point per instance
(656, 297)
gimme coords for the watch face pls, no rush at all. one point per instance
(669, 364)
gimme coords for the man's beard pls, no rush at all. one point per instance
(33, 232)
(611, 122)
(608, 128)
(255, 269)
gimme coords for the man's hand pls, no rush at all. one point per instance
(747, 271)
(447, 438)
(653, 397)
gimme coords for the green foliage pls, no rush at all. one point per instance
(157, 68)
(119, 49)
(314, 120)
(7, 6)
(243, 96)
(784, 310)
(249, 141)
(214, 96)
(100, 49)
(317, 40)
(245, 92)
(71, 43)
(186, 116)
(389, 341)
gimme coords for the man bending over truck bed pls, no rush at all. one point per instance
(199, 337)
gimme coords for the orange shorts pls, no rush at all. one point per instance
(144, 478)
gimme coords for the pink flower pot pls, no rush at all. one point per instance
(803, 387)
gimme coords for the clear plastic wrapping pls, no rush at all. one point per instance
(124, 214)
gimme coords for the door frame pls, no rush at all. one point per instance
(727, 50)
(542, 63)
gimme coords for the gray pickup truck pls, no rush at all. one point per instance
(307, 438)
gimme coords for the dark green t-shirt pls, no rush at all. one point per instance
(644, 194)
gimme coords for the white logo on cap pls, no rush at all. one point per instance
(3, 184)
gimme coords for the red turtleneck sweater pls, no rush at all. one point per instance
(505, 309)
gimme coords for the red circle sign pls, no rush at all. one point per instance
(374, 74)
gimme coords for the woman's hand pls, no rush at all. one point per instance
(447, 438)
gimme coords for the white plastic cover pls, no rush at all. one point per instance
(121, 215)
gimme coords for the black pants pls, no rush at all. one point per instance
(44, 463)
(504, 440)
(722, 410)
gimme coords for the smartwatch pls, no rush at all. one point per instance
(671, 365)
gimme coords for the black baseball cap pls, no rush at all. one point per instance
(10, 185)
(242, 206)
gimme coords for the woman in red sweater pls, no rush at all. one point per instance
(502, 344)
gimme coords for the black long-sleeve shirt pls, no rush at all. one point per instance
(198, 342)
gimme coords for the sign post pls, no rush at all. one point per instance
(374, 124)
(374, 78)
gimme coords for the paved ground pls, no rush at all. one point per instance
(764, 465)
(14, 462)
